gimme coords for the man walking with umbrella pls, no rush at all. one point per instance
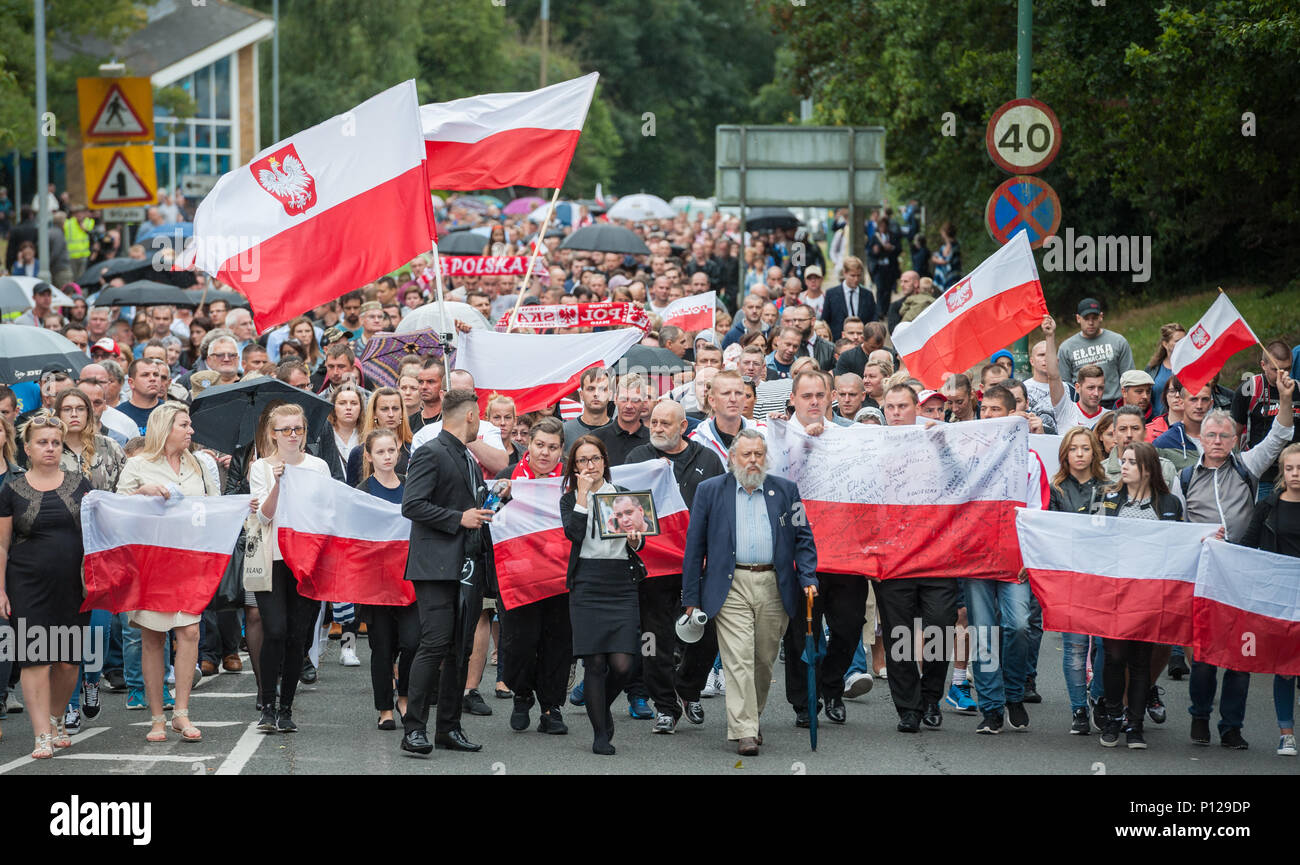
(750, 562)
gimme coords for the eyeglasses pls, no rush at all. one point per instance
(588, 461)
(1218, 436)
(290, 430)
(45, 420)
(225, 355)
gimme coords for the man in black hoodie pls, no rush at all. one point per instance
(661, 597)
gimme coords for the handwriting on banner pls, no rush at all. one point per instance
(489, 265)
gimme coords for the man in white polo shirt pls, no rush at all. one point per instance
(1090, 384)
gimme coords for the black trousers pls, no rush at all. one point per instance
(1133, 657)
(394, 634)
(447, 623)
(219, 635)
(899, 603)
(885, 279)
(287, 620)
(670, 668)
(536, 650)
(842, 602)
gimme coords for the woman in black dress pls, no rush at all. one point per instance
(602, 582)
(40, 574)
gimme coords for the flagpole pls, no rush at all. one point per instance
(442, 314)
(537, 245)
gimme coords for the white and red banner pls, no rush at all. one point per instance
(1221, 333)
(488, 265)
(341, 543)
(1112, 577)
(537, 369)
(692, 313)
(1246, 610)
(893, 502)
(505, 139)
(151, 553)
(321, 212)
(603, 314)
(532, 553)
(999, 302)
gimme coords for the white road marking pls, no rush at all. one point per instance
(242, 752)
(240, 694)
(140, 758)
(195, 723)
(76, 740)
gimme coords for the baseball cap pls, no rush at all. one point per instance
(814, 270)
(929, 394)
(42, 288)
(870, 411)
(1089, 305)
(619, 280)
(106, 344)
(1136, 378)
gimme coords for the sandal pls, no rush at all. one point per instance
(44, 749)
(60, 736)
(189, 732)
(157, 735)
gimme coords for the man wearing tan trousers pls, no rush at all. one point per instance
(750, 559)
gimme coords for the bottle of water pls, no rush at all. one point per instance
(493, 501)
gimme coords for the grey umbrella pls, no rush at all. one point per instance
(462, 243)
(12, 296)
(606, 238)
(25, 351)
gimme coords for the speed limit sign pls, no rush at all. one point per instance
(1023, 136)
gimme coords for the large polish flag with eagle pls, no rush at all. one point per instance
(322, 212)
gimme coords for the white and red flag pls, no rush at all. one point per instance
(150, 553)
(999, 302)
(506, 139)
(341, 543)
(1246, 610)
(532, 553)
(604, 313)
(894, 502)
(537, 369)
(322, 212)
(694, 312)
(1220, 334)
(1112, 577)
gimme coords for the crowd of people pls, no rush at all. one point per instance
(1134, 443)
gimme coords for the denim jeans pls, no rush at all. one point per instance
(1003, 605)
(133, 655)
(860, 662)
(1284, 701)
(1074, 664)
(100, 622)
(114, 659)
(1232, 700)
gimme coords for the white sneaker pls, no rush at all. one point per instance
(348, 657)
(1286, 746)
(722, 685)
(711, 685)
(857, 684)
(882, 674)
(171, 675)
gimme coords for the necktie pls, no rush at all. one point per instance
(853, 301)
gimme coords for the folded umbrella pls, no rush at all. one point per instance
(382, 356)
(225, 415)
(25, 351)
(814, 649)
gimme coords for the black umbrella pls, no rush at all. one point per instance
(134, 270)
(650, 360)
(91, 275)
(25, 351)
(233, 299)
(606, 238)
(225, 415)
(462, 243)
(768, 218)
(146, 292)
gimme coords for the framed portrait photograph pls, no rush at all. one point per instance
(623, 513)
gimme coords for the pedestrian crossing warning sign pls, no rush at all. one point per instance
(120, 176)
(115, 109)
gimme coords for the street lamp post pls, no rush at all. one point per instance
(42, 146)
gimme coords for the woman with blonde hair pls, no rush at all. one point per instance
(9, 468)
(287, 616)
(384, 411)
(165, 466)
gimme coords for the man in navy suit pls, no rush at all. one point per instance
(849, 298)
(749, 560)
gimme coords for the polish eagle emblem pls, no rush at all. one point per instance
(283, 175)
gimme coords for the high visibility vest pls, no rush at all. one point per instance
(77, 238)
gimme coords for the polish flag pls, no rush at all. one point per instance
(1112, 577)
(322, 212)
(532, 553)
(692, 313)
(506, 139)
(150, 553)
(907, 501)
(1246, 611)
(341, 543)
(1221, 333)
(537, 369)
(999, 302)
(570, 408)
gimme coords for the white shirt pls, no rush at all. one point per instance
(1071, 414)
(593, 545)
(814, 303)
(261, 481)
(487, 432)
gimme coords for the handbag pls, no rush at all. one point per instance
(230, 591)
(257, 555)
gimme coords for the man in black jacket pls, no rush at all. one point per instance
(448, 560)
(661, 597)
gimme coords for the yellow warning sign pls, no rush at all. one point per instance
(115, 109)
(120, 176)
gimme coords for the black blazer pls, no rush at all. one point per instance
(836, 308)
(438, 484)
(575, 529)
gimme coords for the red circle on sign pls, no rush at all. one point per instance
(1024, 216)
(991, 146)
